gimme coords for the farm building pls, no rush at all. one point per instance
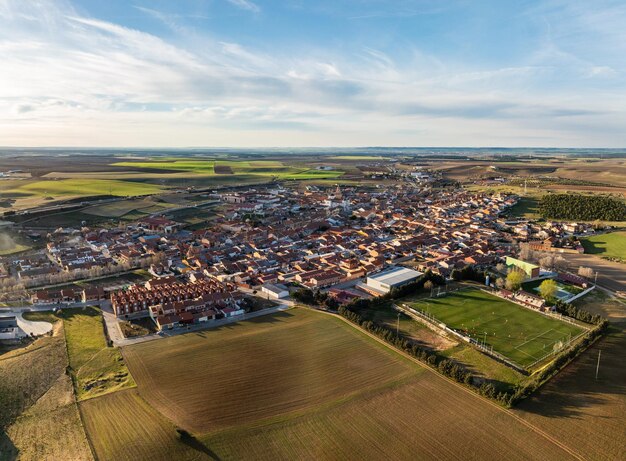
(275, 291)
(531, 270)
(384, 281)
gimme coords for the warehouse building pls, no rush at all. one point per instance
(384, 281)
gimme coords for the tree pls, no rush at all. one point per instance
(500, 283)
(428, 285)
(501, 267)
(586, 272)
(514, 280)
(548, 289)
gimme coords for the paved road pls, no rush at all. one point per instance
(32, 328)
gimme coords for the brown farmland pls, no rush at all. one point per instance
(311, 386)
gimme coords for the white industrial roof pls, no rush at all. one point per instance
(396, 276)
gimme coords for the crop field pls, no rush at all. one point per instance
(50, 429)
(97, 369)
(123, 207)
(85, 187)
(583, 411)
(123, 426)
(193, 166)
(337, 365)
(611, 245)
(518, 333)
(303, 385)
(219, 168)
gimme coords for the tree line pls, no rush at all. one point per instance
(582, 207)
(457, 371)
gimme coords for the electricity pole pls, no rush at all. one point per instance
(598, 365)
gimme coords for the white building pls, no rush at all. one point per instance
(8, 327)
(384, 281)
(275, 291)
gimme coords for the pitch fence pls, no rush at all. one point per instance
(433, 323)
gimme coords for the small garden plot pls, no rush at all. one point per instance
(565, 291)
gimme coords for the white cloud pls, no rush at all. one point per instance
(67, 79)
(246, 5)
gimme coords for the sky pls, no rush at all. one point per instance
(344, 73)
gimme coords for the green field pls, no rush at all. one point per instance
(611, 245)
(96, 368)
(252, 168)
(194, 166)
(516, 332)
(86, 187)
(299, 385)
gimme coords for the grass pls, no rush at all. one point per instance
(194, 166)
(611, 245)
(123, 426)
(96, 368)
(50, 429)
(526, 207)
(518, 333)
(302, 385)
(237, 168)
(482, 366)
(16, 248)
(87, 187)
(387, 316)
(358, 157)
(26, 374)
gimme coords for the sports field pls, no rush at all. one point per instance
(514, 331)
(300, 385)
(612, 245)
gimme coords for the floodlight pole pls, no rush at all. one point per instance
(598, 365)
(398, 325)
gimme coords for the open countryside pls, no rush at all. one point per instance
(291, 393)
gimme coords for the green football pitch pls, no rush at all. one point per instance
(518, 333)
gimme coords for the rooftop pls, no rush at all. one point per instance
(396, 275)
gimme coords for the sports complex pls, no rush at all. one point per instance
(522, 335)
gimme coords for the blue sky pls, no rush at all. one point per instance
(247, 73)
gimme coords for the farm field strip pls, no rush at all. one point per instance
(514, 331)
(122, 425)
(399, 416)
(320, 359)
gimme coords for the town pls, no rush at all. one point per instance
(270, 240)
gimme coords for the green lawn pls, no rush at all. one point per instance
(612, 245)
(518, 333)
